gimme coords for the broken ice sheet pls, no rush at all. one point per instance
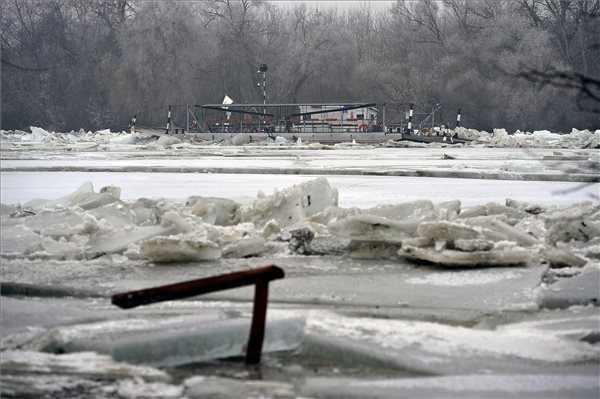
(438, 348)
(82, 363)
(477, 385)
(170, 341)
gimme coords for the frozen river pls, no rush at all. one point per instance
(361, 312)
(355, 191)
(364, 175)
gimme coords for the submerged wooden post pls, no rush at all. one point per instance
(258, 277)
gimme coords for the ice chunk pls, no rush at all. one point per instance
(219, 211)
(558, 258)
(115, 214)
(292, 205)
(333, 213)
(44, 219)
(300, 240)
(473, 245)
(373, 237)
(87, 225)
(453, 258)
(169, 342)
(37, 135)
(128, 138)
(18, 240)
(83, 197)
(98, 200)
(513, 233)
(373, 228)
(447, 210)
(84, 193)
(271, 228)
(373, 249)
(112, 190)
(410, 211)
(571, 228)
(447, 231)
(470, 134)
(251, 246)
(171, 218)
(547, 136)
(532, 209)
(165, 140)
(179, 248)
(499, 133)
(146, 211)
(119, 241)
(62, 248)
(578, 290)
(241, 139)
(492, 208)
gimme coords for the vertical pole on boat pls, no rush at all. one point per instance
(187, 118)
(432, 120)
(264, 76)
(263, 69)
(384, 129)
(168, 120)
(458, 118)
(410, 115)
(264, 91)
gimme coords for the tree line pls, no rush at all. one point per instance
(519, 64)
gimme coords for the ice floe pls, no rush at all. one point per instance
(498, 137)
(303, 219)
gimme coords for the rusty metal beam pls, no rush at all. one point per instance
(258, 277)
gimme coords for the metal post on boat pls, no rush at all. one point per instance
(458, 118)
(383, 124)
(263, 69)
(187, 118)
(432, 119)
(410, 115)
(168, 120)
